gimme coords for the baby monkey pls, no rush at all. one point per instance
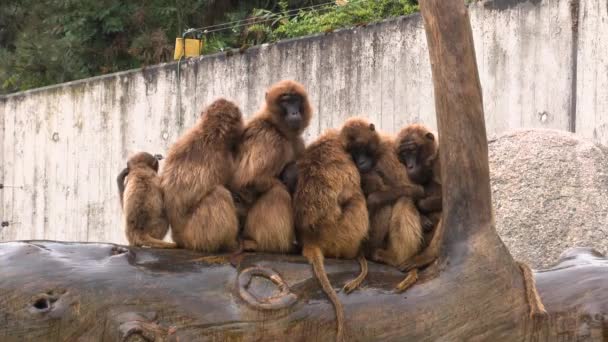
(142, 202)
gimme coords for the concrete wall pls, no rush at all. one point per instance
(542, 63)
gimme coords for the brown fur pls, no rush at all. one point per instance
(197, 170)
(428, 174)
(395, 229)
(142, 199)
(418, 139)
(268, 145)
(330, 212)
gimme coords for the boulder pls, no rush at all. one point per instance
(550, 193)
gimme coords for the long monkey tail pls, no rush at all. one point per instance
(315, 257)
(537, 308)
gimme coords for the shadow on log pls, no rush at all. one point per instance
(68, 291)
(473, 292)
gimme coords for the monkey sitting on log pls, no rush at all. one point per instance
(330, 212)
(418, 150)
(198, 169)
(395, 233)
(271, 140)
(142, 202)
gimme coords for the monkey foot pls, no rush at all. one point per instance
(408, 281)
(355, 283)
(352, 285)
(417, 262)
(536, 312)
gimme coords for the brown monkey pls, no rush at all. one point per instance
(197, 170)
(271, 140)
(418, 150)
(122, 176)
(330, 213)
(142, 202)
(395, 230)
(244, 199)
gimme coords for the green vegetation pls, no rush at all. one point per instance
(45, 42)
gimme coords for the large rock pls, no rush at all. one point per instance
(550, 193)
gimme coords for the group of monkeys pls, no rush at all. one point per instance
(353, 193)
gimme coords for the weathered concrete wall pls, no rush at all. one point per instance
(65, 144)
(592, 70)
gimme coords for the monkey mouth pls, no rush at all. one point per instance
(294, 124)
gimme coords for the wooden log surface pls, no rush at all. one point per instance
(52, 291)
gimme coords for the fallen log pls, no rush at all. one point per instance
(474, 291)
(52, 291)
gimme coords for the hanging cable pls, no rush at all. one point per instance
(202, 29)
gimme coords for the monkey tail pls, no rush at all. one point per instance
(315, 257)
(534, 302)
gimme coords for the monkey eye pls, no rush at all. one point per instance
(430, 136)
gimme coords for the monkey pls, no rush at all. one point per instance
(195, 179)
(245, 199)
(141, 199)
(121, 179)
(330, 212)
(271, 140)
(395, 232)
(418, 150)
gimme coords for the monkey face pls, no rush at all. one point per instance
(291, 108)
(362, 143)
(412, 155)
(364, 159)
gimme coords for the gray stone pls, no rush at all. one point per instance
(550, 193)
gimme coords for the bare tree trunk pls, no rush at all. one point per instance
(474, 292)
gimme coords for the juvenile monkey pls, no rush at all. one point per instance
(418, 150)
(141, 198)
(271, 140)
(198, 168)
(330, 213)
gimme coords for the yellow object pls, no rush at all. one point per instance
(194, 47)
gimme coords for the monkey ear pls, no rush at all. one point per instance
(372, 127)
(430, 136)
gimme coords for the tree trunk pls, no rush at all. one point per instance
(61, 291)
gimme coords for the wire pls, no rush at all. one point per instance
(254, 18)
(257, 22)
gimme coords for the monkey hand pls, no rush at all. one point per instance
(429, 204)
(418, 191)
(374, 200)
(427, 224)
